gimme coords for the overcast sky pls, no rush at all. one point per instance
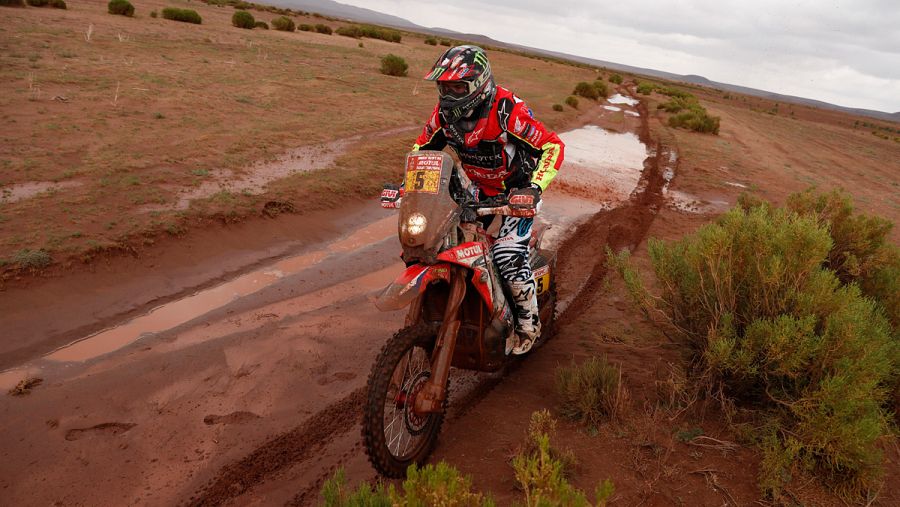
(841, 51)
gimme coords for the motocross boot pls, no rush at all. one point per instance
(528, 319)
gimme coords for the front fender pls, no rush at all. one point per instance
(402, 291)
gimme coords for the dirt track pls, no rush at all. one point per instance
(257, 398)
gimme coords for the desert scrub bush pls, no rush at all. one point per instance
(243, 19)
(283, 23)
(439, 484)
(542, 476)
(615, 78)
(586, 90)
(261, 24)
(445, 42)
(773, 330)
(431, 41)
(572, 102)
(58, 4)
(120, 7)
(38, 3)
(393, 65)
(323, 29)
(372, 32)
(336, 493)
(305, 28)
(557, 107)
(182, 15)
(645, 88)
(32, 259)
(698, 121)
(590, 392)
(153, 14)
(12, 3)
(601, 88)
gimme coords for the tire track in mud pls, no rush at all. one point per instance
(282, 451)
(618, 228)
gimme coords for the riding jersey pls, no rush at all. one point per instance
(506, 148)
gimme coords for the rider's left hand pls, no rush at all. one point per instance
(527, 200)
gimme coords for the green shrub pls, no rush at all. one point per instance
(306, 28)
(698, 121)
(283, 23)
(615, 78)
(261, 24)
(542, 477)
(439, 484)
(32, 259)
(602, 90)
(58, 4)
(182, 15)
(243, 19)
(324, 29)
(557, 107)
(335, 493)
(393, 65)
(431, 41)
(590, 392)
(349, 31)
(153, 14)
(775, 331)
(572, 102)
(645, 88)
(586, 90)
(445, 42)
(38, 3)
(120, 7)
(12, 3)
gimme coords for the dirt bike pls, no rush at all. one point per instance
(459, 315)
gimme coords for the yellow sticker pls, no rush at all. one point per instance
(543, 283)
(423, 180)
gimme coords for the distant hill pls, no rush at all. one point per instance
(361, 14)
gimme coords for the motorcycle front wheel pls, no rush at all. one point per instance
(394, 435)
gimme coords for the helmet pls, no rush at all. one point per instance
(464, 80)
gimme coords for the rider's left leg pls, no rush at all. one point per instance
(510, 253)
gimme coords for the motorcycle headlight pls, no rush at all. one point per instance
(415, 224)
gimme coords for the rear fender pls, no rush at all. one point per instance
(409, 285)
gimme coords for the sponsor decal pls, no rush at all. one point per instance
(519, 126)
(390, 194)
(423, 173)
(534, 137)
(475, 136)
(522, 199)
(469, 252)
(541, 271)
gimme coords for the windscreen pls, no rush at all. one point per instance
(427, 212)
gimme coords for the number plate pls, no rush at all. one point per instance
(423, 173)
(542, 279)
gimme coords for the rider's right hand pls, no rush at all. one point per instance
(391, 196)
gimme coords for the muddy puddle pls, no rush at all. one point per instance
(27, 190)
(602, 168)
(623, 99)
(253, 179)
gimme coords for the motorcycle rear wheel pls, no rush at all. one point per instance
(395, 437)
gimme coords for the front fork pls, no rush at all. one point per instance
(431, 397)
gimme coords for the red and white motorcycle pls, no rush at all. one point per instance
(459, 312)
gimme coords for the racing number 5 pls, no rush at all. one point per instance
(420, 180)
(541, 284)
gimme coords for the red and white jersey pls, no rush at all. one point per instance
(507, 148)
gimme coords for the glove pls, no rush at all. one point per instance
(526, 201)
(391, 196)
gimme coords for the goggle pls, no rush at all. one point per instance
(454, 89)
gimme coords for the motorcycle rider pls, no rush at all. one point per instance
(503, 149)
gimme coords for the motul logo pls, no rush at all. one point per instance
(469, 251)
